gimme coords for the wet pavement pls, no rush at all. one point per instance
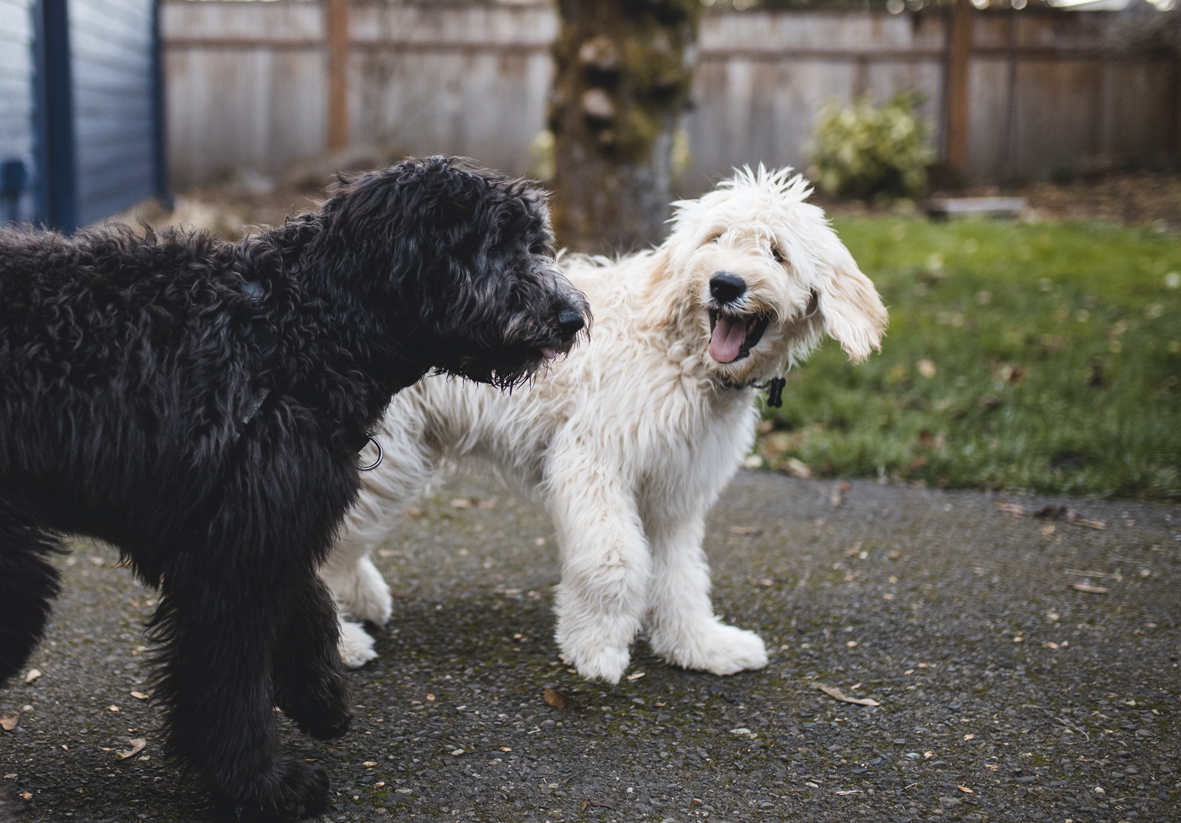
(1025, 669)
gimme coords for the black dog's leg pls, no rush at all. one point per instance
(310, 685)
(28, 584)
(219, 628)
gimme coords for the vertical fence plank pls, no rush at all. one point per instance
(336, 33)
(959, 53)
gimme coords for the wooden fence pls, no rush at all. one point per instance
(256, 86)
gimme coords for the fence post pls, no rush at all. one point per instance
(959, 51)
(336, 36)
(56, 159)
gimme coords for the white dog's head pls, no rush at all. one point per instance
(755, 275)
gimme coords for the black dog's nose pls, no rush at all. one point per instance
(570, 322)
(726, 287)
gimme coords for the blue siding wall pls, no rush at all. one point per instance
(113, 66)
(16, 88)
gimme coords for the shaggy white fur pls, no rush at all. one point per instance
(629, 440)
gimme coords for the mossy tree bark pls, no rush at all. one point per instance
(624, 69)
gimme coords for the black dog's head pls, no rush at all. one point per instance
(459, 263)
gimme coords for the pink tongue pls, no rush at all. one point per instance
(727, 339)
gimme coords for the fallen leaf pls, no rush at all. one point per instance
(1050, 512)
(1090, 589)
(461, 503)
(369, 763)
(555, 698)
(505, 749)
(26, 795)
(1011, 508)
(797, 468)
(113, 708)
(965, 789)
(1091, 524)
(430, 697)
(139, 695)
(32, 675)
(991, 766)
(457, 752)
(837, 694)
(137, 746)
(969, 737)
(894, 555)
(8, 722)
(635, 676)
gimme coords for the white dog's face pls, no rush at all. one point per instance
(759, 275)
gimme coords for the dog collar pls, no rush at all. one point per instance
(774, 388)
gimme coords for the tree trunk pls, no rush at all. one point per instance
(624, 69)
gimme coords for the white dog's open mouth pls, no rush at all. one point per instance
(732, 338)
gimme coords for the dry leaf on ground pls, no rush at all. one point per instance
(1091, 524)
(137, 746)
(1011, 508)
(32, 675)
(837, 694)
(635, 676)
(1089, 588)
(8, 722)
(555, 698)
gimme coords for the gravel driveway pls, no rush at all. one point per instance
(1024, 668)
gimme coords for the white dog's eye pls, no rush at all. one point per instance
(775, 253)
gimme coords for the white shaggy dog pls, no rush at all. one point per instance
(630, 439)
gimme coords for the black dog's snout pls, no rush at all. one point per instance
(570, 322)
(726, 287)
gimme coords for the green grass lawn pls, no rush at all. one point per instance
(1019, 356)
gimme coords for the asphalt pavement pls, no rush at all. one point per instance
(1023, 667)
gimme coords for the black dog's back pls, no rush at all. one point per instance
(122, 361)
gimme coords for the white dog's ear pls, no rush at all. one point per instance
(853, 313)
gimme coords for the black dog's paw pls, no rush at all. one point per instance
(294, 790)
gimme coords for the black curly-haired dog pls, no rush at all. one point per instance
(201, 405)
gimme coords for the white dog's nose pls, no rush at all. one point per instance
(726, 287)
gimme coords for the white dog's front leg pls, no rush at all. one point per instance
(681, 624)
(605, 568)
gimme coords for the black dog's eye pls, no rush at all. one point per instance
(775, 253)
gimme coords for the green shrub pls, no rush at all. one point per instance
(863, 150)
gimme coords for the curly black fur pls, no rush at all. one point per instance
(127, 364)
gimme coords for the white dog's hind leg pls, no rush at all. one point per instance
(356, 646)
(605, 567)
(680, 622)
(358, 587)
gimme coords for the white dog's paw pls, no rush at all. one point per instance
(715, 648)
(361, 592)
(595, 661)
(356, 646)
